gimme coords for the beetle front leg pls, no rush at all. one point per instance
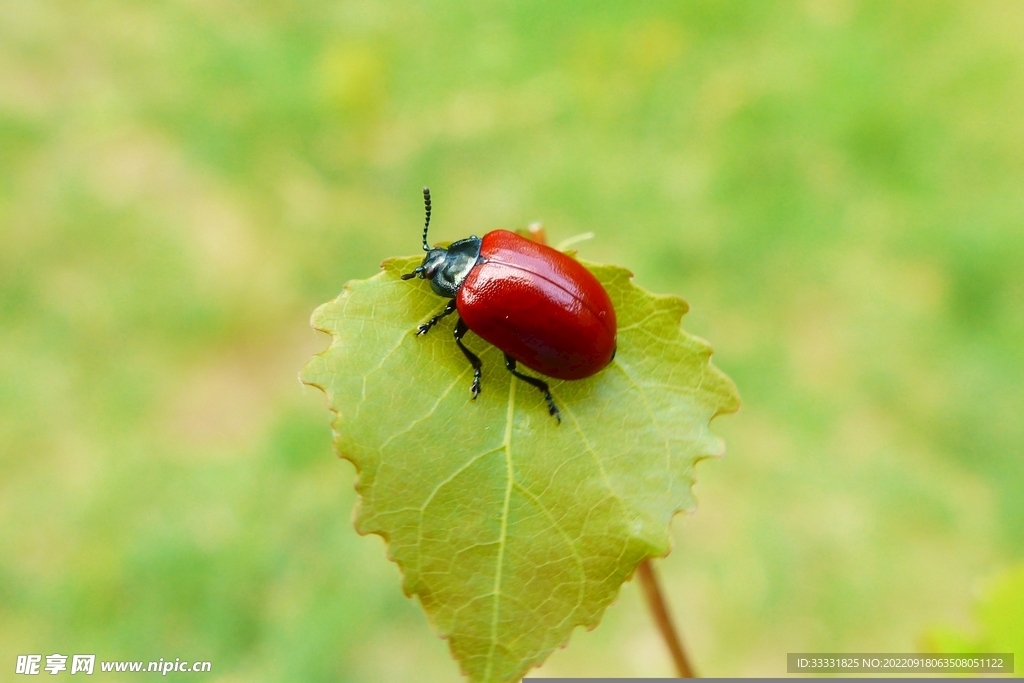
(425, 327)
(510, 363)
(460, 330)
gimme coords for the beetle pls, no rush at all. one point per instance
(539, 306)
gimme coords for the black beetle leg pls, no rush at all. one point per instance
(460, 331)
(510, 363)
(425, 327)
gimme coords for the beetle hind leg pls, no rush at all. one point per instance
(510, 363)
(460, 330)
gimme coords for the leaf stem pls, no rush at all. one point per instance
(656, 601)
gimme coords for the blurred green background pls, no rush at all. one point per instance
(836, 187)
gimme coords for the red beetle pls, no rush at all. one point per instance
(540, 307)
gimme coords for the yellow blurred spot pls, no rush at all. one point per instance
(654, 44)
(353, 78)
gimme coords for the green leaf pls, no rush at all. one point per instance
(999, 613)
(510, 528)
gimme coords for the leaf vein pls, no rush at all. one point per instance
(569, 541)
(654, 421)
(510, 473)
(429, 413)
(447, 480)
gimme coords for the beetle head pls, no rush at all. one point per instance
(448, 268)
(445, 268)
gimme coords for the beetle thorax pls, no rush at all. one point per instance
(448, 268)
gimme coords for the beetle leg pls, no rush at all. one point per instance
(510, 363)
(460, 330)
(425, 327)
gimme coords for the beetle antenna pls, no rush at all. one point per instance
(426, 224)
